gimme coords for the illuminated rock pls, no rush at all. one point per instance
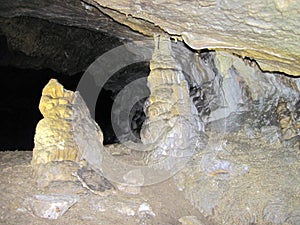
(172, 123)
(56, 140)
(267, 31)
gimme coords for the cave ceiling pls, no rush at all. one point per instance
(267, 31)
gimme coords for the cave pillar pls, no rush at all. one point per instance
(172, 124)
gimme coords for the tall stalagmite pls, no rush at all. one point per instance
(172, 123)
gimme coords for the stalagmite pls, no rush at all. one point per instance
(172, 123)
(61, 136)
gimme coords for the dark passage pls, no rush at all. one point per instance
(20, 92)
(27, 42)
(104, 114)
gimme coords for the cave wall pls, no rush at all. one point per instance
(70, 13)
(35, 43)
(267, 31)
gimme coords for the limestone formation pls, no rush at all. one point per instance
(267, 31)
(248, 172)
(229, 92)
(58, 151)
(54, 139)
(239, 107)
(172, 123)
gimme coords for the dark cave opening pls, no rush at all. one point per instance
(106, 116)
(61, 52)
(21, 91)
(20, 94)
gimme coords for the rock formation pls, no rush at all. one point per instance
(53, 139)
(33, 43)
(172, 125)
(230, 86)
(252, 156)
(228, 83)
(251, 118)
(267, 31)
(58, 151)
(233, 26)
(288, 120)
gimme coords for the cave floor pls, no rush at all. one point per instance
(261, 172)
(17, 186)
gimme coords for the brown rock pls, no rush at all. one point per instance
(288, 120)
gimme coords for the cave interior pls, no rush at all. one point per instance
(24, 76)
(239, 73)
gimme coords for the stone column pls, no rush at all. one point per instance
(172, 125)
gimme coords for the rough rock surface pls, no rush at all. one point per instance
(289, 120)
(18, 187)
(238, 180)
(50, 206)
(58, 150)
(172, 123)
(70, 13)
(226, 89)
(27, 42)
(249, 171)
(265, 30)
(54, 139)
(118, 85)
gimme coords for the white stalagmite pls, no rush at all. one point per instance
(172, 123)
